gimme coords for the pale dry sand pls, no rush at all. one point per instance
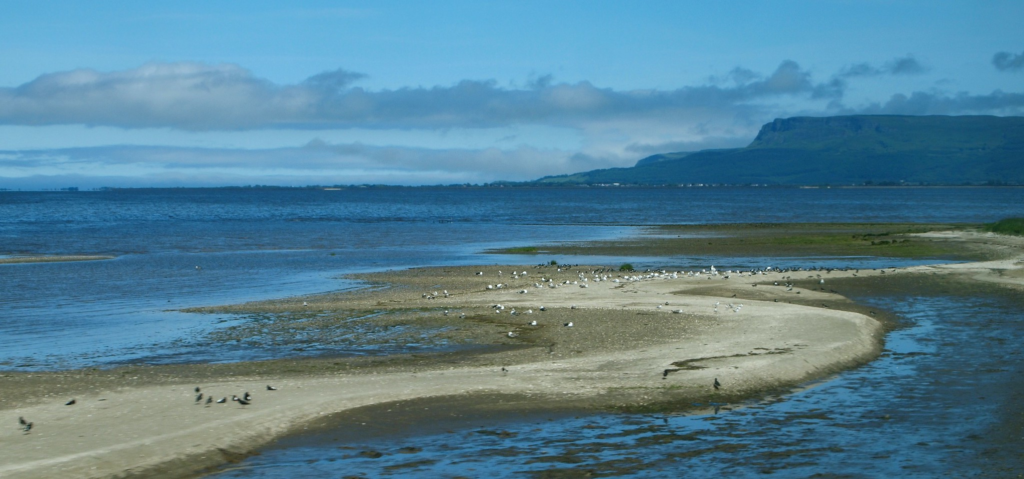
(615, 354)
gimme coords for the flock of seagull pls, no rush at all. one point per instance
(584, 278)
(245, 400)
(600, 275)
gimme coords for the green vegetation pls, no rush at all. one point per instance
(554, 263)
(784, 240)
(626, 267)
(519, 250)
(846, 150)
(1008, 226)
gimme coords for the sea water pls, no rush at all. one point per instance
(180, 248)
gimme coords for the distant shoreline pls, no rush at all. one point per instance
(496, 185)
(51, 259)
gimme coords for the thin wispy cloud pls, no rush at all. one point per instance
(348, 163)
(1008, 62)
(907, 65)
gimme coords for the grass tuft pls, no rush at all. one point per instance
(1008, 226)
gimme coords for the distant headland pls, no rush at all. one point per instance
(861, 150)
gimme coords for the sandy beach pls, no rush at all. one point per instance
(636, 340)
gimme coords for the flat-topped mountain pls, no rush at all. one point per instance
(843, 150)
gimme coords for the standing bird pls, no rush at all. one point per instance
(239, 400)
(209, 400)
(717, 384)
(199, 398)
(197, 389)
(246, 396)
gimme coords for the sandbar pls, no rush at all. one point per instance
(638, 339)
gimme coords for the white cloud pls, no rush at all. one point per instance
(196, 96)
(315, 163)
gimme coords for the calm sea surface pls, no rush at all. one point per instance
(256, 244)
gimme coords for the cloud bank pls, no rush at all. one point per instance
(196, 96)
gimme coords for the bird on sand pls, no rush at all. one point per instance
(222, 400)
(209, 399)
(717, 384)
(199, 397)
(271, 388)
(197, 389)
(246, 396)
(70, 403)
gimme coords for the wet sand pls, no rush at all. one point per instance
(622, 351)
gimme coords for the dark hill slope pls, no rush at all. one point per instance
(844, 150)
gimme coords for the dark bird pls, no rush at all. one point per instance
(717, 384)
(246, 396)
(70, 403)
(664, 374)
(503, 369)
(197, 389)
(222, 400)
(28, 427)
(209, 400)
(199, 398)
(22, 421)
(240, 400)
(271, 388)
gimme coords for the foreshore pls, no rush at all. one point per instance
(638, 341)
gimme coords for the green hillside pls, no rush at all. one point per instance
(845, 150)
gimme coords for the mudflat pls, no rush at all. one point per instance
(637, 340)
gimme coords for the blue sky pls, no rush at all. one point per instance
(233, 93)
